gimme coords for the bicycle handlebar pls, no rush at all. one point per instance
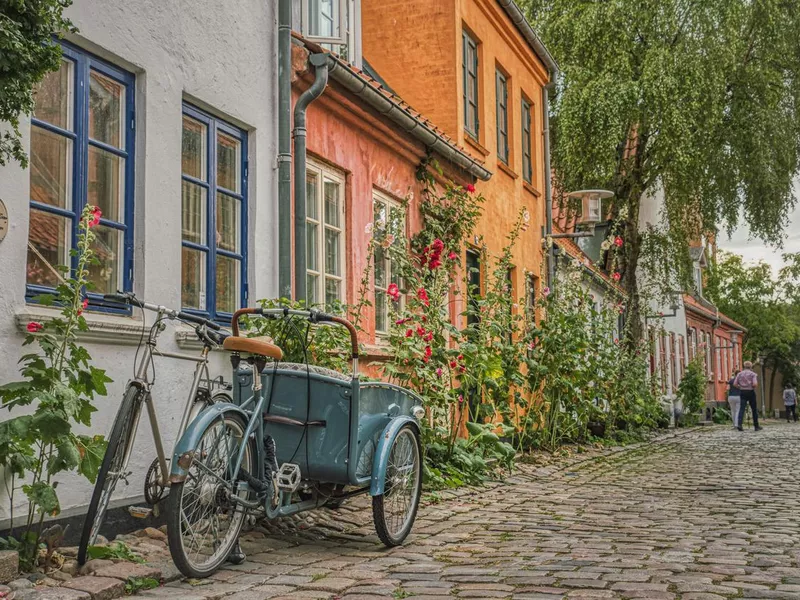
(315, 316)
(129, 298)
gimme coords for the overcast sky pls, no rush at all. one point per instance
(755, 250)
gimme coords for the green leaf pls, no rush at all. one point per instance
(92, 450)
(50, 423)
(66, 457)
(44, 497)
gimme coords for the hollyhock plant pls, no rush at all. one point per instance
(616, 276)
(393, 292)
(618, 242)
(422, 296)
(95, 218)
(470, 188)
(34, 327)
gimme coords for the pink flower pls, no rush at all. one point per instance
(402, 321)
(616, 340)
(452, 256)
(546, 292)
(439, 372)
(461, 398)
(393, 292)
(409, 332)
(84, 306)
(618, 242)
(616, 276)
(34, 327)
(470, 188)
(387, 241)
(368, 229)
(96, 214)
(422, 296)
(532, 346)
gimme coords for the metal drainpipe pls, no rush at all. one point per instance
(284, 149)
(548, 192)
(320, 64)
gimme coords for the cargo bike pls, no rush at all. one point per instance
(295, 437)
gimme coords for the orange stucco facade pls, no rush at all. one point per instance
(416, 47)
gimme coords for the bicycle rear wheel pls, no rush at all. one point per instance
(111, 471)
(203, 522)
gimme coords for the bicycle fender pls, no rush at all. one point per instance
(191, 437)
(381, 459)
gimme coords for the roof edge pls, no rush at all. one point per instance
(518, 18)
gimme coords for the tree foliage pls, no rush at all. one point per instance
(698, 99)
(27, 53)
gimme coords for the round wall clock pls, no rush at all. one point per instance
(3, 221)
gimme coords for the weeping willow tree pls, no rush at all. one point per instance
(697, 99)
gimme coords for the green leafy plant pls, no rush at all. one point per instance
(134, 585)
(692, 391)
(56, 392)
(114, 550)
(27, 53)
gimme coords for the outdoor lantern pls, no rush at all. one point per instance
(734, 337)
(590, 211)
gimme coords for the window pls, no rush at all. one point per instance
(673, 362)
(682, 356)
(81, 153)
(214, 211)
(698, 279)
(470, 57)
(325, 262)
(501, 87)
(389, 228)
(662, 361)
(530, 294)
(474, 286)
(527, 156)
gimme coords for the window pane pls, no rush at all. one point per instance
(106, 110)
(227, 284)
(381, 311)
(311, 196)
(380, 268)
(48, 247)
(194, 148)
(323, 18)
(312, 244)
(51, 168)
(332, 253)
(228, 161)
(228, 226)
(193, 219)
(332, 203)
(379, 214)
(108, 250)
(193, 276)
(332, 291)
(54, 97)
(106, 185)
(312, 282)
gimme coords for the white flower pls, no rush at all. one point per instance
(368, 229)
(605, 246)
(526, 216)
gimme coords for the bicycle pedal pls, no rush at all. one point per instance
(288, 477)
(140, 512)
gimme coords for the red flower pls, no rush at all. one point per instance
(463, 369)
(616, 276)
(618, 242)
(429, 336)
(409, 332)
(422, 296)
(434, 264)
(84, 306)
(453, 364)
(428, 352)
(470, 188)
(393, 292)
(616, 340)
(438, 246)
(460, 357)
(421, 330)
(96, 214)
(401, 321)
(452, 256)
(34, 327)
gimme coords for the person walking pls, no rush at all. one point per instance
(747, 382)
(734, 399)
(790, 401)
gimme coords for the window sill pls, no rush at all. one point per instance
(380, 349)
(476, 145)
(506, 169)
(536, 193)
(103, 329)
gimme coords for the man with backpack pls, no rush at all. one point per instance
(747, 382)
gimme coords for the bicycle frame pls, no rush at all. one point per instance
(140, 381)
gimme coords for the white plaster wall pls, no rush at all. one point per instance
(223, 58)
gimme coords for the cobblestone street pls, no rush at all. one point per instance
(698, 516)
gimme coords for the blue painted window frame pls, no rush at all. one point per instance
(213, 125)
(83, 63)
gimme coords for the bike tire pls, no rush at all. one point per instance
(199, 495)
(118, 445)
(390, 531)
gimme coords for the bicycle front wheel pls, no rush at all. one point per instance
(112, 470)
(203, 520)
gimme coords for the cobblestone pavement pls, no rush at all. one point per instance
(697, 516)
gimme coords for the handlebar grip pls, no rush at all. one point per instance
(199, 320)
(123, 298)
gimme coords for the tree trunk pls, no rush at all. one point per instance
(771, 387)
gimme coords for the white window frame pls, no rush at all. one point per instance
(324, 173)
(378, 196)
(349, 29)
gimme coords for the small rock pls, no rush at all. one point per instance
(70, 566)
(36, 577)
(100, 588)
(60, 576)
(48, 582)
(20, 584)
(101, 540)
(9, 565)
(155, 534)
(163, 529)
(95, 564)
(69, 551)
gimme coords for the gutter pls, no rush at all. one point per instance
(518, 18)
(418, 128)
(285, 149)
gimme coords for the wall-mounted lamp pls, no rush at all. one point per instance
(590, 214)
